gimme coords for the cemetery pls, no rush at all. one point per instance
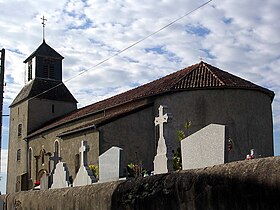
(207, 147)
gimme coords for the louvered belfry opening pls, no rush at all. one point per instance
(48, 70)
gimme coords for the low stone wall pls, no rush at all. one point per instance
(253, 184)
(97, 196)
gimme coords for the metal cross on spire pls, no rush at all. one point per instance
(43, 23)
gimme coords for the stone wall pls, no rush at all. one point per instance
(17, 164)
(246, 113)
(41, 111)
(133, 133)
(253, 184)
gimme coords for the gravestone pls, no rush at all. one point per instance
(84, 175)
(56, 159)
(111, 165)
(44, 182)
(60, 176)
(206, 147)
(163, 158)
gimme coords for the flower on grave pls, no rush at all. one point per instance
(37, 183)
(94, 169)
(230, 145)
(251, 155)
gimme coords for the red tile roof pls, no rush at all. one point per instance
(198, 76)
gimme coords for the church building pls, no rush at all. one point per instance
(45, 121)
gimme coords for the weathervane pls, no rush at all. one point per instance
(43, 23)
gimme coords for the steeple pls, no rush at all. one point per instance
(44, 63)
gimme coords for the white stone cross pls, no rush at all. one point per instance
(83, 150)
(84, 175)
(162, 118)
(161, 162)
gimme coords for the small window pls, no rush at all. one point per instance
(52, 108)
(29, 163)
(29, 70)
(18, 154)
(19, 129)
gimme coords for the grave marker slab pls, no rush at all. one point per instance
(111, 165)
(44, 182)
(60, 176)
(206, 147)
(162, 160)
(84, 175)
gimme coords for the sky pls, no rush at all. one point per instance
(241, 37)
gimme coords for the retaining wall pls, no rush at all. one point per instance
(252, 184)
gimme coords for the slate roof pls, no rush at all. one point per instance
(57, 91)
(198, 76)
(44, 50)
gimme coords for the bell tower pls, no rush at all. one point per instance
(44, 63)
(43, 98)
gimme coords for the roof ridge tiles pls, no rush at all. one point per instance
(207, 66)
(186, 71)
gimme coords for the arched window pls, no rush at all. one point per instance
(42, 156)
(30, 155)
(18, 154)
(19, 129)
(57, 147)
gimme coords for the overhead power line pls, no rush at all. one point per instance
(126, 48)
